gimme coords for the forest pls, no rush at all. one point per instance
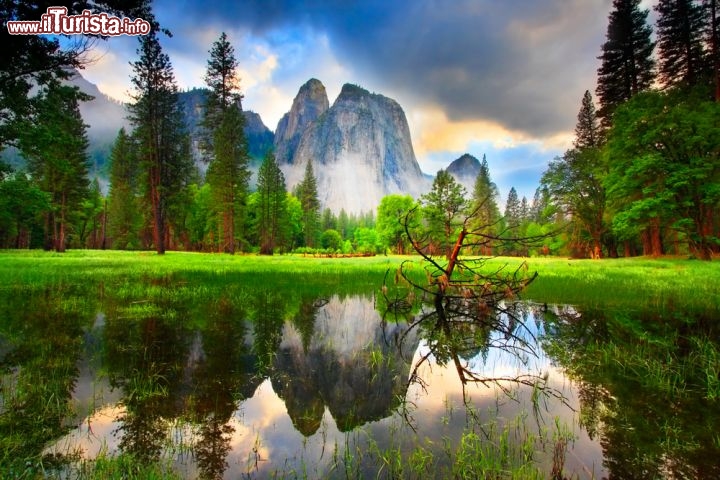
(641, 178)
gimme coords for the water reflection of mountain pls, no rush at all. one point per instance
(349, 364)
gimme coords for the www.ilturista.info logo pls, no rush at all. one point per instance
(57, 22)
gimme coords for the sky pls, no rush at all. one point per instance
(501, 78)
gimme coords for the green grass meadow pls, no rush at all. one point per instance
(641, 283)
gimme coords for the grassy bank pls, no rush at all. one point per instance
(628, 283)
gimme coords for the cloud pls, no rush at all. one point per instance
(524, 64)
(109, 67)
(478, 76)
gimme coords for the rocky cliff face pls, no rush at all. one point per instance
(339, 366)
(465, 170)
(310, 102)
(361, 151)
(260, 138)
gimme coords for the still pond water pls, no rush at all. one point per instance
(270, 383)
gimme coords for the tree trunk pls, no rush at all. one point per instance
(714, 47)
(158, 220)
(103, 241)
(49, 232)
(228, 232)
(60, 239)
(453, 257)
(656, 246)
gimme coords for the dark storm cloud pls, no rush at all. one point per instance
(522, 63)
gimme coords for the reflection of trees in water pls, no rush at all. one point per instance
(223, 372)
(38, 369)
(463, 308)
(268, 319)
(144, 355)
(644, 387)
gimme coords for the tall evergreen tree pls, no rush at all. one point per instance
(163, 143)
(483, 205)
(272, 205)
(22, 204)
(712, 40)
(627, 65)
(55, 145)
(124, 218)
(225, 141)
(92, 218)
(587, 130)
(539, 212)
(575, 183)
(308, 196)
(680, 29)
(513, 213)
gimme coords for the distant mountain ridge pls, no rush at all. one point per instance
(465, 170)
(360, 145)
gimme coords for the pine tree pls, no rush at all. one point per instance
(483, 205)
(163, 143)
(55, 145)
(627, 65)
(123, 215)
(575, 183)
(539, 208)
(225, 142)
(272, 208)
(680, 28)
(524, 210)
(712, 40)
(308, 195)
(512, 209)
(587, 130)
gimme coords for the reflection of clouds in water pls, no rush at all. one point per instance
(96, 433)
(265, 439)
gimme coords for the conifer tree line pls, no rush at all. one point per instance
(642, 176)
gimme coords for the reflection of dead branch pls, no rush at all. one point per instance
(463, 306)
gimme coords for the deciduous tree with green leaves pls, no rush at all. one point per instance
(391, 213)
(665, 170)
